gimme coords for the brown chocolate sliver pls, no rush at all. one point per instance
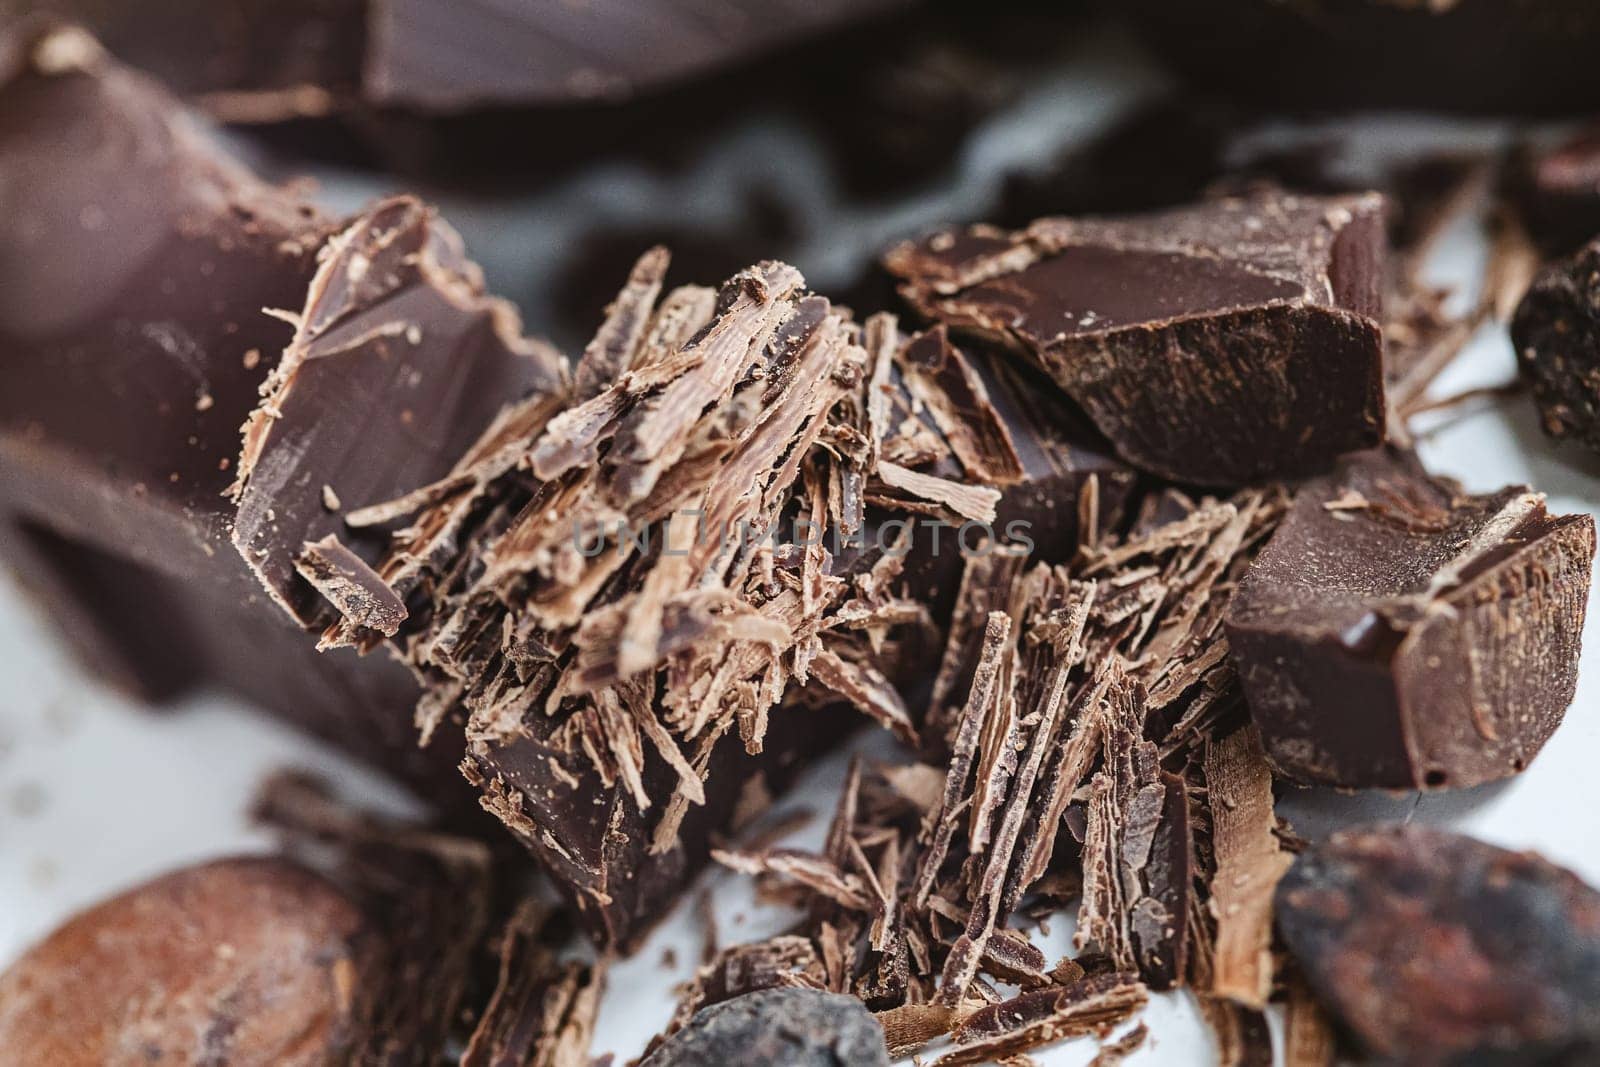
(1249, 862)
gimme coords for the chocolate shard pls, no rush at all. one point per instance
(398, 362)
(1556, 333)
(781, 1027)
(1218, 344)
(1433, 948)
(1451, 55)
(543, 1009)
(259, 61)
(1398, 633)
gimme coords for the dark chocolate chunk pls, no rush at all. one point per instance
(1218, 344)
(780, 1027)
(398, 362)
(1455, 55)
(1556, 333)
(136, 345)
(1398, 633)
(1432, 948)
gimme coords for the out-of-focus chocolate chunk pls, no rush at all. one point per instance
(1433, 949)
(1556, 333)
(472, 53)
(1557, 191)
(1219, 344)
(1156, 156)
(1458, 55)
(781, 1028)
(1398, 633)
(247, 60)
(266, 61)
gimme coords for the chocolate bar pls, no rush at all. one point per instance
(1457, 55)
(258, 61)
(1398, 633)
(136, 346)
(1433, 948)
(1220, 344)
(1556, 334)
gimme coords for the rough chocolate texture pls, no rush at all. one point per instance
(1432, 948)
(1456, 55)
(1556, 333)
(1398, 633)
(781, 1027)
(1218, 344)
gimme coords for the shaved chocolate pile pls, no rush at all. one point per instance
(1055, 772)
(1398, 633)
(356, 950)
(616, 597)
(260, 61)
(1556, 333)
(1433, 948)
(1219, 344)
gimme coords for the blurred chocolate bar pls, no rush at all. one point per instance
(269, 60)
(1455, 55)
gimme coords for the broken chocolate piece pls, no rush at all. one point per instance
(136, 346)
(1451, 55)
(1432, 948)
(1219, 344)
(1556, 333)
(372, 391)
(1398, 633)
(781, 1027)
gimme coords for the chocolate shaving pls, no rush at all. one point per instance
(1249, 863)
(542, 1012)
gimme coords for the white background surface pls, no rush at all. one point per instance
(97, 794)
